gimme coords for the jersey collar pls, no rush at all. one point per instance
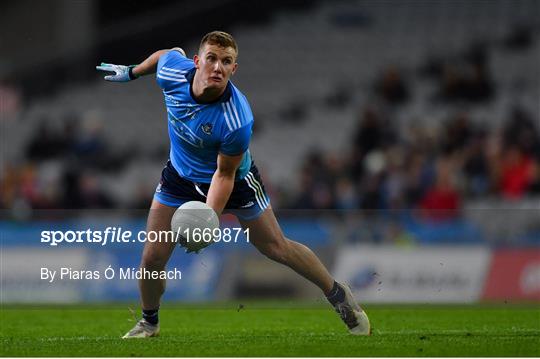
(225, 96)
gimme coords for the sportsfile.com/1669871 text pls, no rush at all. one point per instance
(118, 235)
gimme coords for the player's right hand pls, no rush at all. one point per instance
(122, 73)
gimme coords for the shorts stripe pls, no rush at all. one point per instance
(258, 185)
(199, 190)
(259, 193)
(256, 193)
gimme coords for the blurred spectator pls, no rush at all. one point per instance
(294, 112)
(11, 100)
(304, 198)
(442, 201)
(340, 97)
(391, 86)
(418, 176)
(346, 196)
(369, 134)
(534, 184)
(48, 185)
(90, 145)
(521, 130)
(394, 185)
(11, 184)
(519, 38)
(370, 184)
(317, 183)
(479, 86)
(45, 143)
(476, 166)
(91, 193)
(516, 173)
(452, 85)
(458, 133)
(371, 197)
(470, 82)
(27, 185)
(142, 198)
(83, 190)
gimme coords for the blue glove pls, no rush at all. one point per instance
(122, 73)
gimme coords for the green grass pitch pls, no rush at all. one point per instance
(272, 329)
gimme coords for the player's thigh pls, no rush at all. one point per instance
(160, 242)
(264, 231)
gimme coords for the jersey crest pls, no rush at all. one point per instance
(207, 128)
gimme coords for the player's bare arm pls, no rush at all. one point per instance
(223, 181)
(149, 66)
(123, 73)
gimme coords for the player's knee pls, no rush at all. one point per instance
(153, 261)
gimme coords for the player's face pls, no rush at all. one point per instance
(216, 64)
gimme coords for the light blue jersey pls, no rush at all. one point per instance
(198, 132)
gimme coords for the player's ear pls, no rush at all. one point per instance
(196, 60)
(234, 68)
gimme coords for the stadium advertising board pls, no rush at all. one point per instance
(416, 275)
(514, 274)
(23, 281)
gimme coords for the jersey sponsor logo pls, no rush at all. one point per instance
(184, 132)
(158, 188)
(207, 128)
(191, 112)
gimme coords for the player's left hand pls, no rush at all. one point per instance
(122, 73)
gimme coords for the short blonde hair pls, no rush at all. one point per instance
(220, 38)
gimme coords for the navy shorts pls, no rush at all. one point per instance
(248, 199)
